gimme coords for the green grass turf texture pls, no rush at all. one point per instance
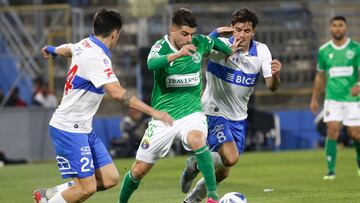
(294, 176)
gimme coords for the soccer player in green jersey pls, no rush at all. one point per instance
(338, 71)
(176, 62)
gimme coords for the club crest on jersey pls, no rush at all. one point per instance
(349, 54)
(145, 144)
(331, 56)
(196, 57)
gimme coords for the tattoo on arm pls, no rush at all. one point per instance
(126, 98)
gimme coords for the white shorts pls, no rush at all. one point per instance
(158, 137)
(347, 112)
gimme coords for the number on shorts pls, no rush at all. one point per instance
(87, 164)
(220, 136)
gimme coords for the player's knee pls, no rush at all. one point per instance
(87, 190)
(230, 161)
(333, 132)
(111, 181)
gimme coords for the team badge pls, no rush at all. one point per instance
(145, 144)
(327, 113)
(196, 57)
(331, 55)
(350, 54)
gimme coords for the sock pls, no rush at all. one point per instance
(206, 167)
(51, 192)
(58, 198)
(217, 160)
(128, 186)
(330, 150)
(357, 149)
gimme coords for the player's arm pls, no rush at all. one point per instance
(116, 91)
(62, 50)
(158, 61)
(319, 84)
(273, 82)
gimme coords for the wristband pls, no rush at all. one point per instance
(51, 50)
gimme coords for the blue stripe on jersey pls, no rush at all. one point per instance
(81, 83)
(101, 45)
(232, 76)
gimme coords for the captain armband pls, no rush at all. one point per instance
(126, 98)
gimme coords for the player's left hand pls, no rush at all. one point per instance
(355, 90)
(45, 53)
(275, 67)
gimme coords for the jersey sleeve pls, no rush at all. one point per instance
(213, 43)
(320, 62)
(99, 71)
(266, 59)
(157, 59)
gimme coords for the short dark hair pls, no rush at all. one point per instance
(184, 17)
(342, 18)
(106, 21)
(244, 15)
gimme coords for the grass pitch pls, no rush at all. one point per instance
(294, 177)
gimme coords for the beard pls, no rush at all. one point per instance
(338, 37)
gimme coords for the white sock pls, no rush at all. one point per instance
(58, 189)
(217, 160)
(58, 198)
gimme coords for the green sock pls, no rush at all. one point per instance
(128, 186)
(330, 150)
(206, 167)
(357, 149)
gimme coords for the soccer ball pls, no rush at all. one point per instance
(233, 197)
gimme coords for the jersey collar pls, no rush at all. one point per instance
(101, 45)
(340, 47)
(252, 48)
(166, 37)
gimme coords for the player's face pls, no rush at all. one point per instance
(243, 32)
(338, 29)
(182, 35)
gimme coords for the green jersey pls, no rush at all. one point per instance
(341, 66)
(178, 85)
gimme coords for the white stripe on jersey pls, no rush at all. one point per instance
(230, 83)
(90, 70)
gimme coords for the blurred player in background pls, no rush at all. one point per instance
(80, 154)
(176, 62)
(230, 82)
(338, 72)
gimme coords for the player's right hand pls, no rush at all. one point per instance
(187, 50)
(45, 53)
(314, 106)
(164, 117)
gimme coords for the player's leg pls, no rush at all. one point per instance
(132, 179)
(106, 173)
(334, 115)
(352, 121)
(333, 131)
(155, 144)
(228, 139)
(75, 160)
(354, 133)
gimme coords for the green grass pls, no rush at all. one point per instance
(295, 177)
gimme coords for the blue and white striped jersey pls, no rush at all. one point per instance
(90, 69)
(231, 82)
